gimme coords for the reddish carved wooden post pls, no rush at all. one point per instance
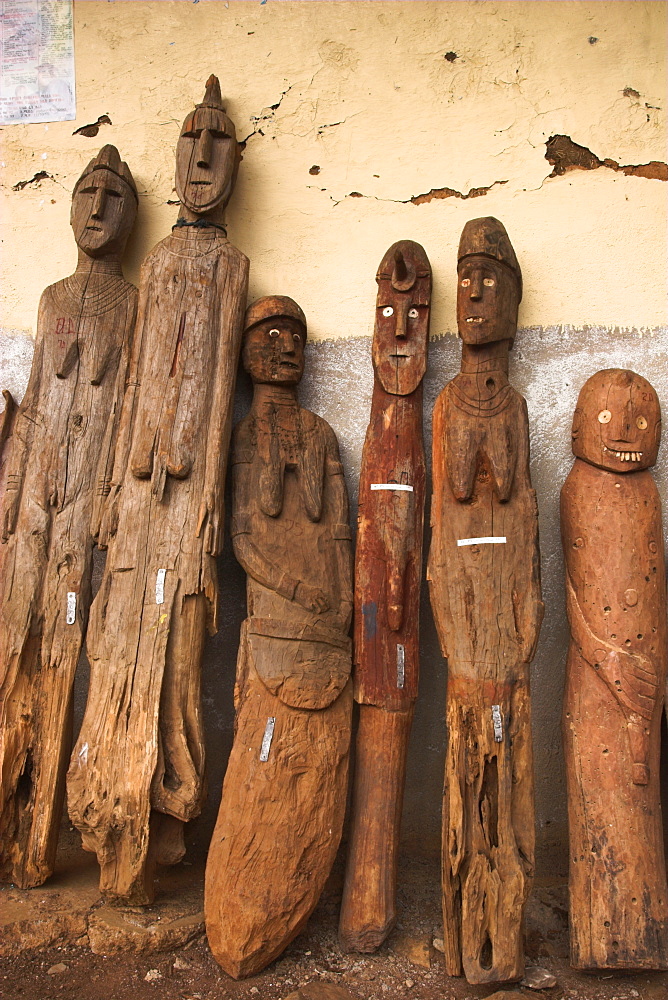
(136, 771)
(284, 794)
(485, 594)
(616, 603)
(388, 570)
(57, 473)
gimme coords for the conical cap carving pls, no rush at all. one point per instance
(488, 237)
(212, 96)
(110, 159)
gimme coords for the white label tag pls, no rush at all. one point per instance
(486, 540)
(160, 587)
(392, 486)
(401, 665)
(497, 722)
(71, 608)
(266, 739)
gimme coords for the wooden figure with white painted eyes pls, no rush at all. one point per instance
(485, 594)
(56, 476)
(616, 602)
(284, 794)
(136, 773)
(388, 572)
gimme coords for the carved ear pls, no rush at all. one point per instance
(577, 423)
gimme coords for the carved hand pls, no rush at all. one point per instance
(632, 679)
(10, 506)
(109, 518)
(311, 598)
(395, 600)
(211, 518)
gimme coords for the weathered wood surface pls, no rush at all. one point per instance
(485, 596)
(136, 773)
(284, 793)
(388, 571)
(616, 602)
(56, 473)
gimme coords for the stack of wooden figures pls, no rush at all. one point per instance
(121, 442)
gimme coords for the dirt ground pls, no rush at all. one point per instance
(190, 973)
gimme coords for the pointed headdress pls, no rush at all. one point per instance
(109, 159)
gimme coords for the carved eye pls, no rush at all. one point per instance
(489, 282)
(412, 313)
(604, 417)
(297, 338)
(465, 282)
(273, 334)
(641, 423)
(388, 311)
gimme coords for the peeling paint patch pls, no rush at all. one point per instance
(446, 192)
(90, 131)
(565, 155)
(41, 175)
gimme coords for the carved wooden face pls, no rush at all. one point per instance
(273, 351)
(103, 213)
(487, 300)
(401, 329)
(206, 160)
(617, 422)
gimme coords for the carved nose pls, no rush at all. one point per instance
(204, 148)
(475, 292)
(99, 202)
(401, 314)
(287, 342)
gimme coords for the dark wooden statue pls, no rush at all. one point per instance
(136, 773)
(388, 571)
(57, 473)
(284, 794)
(485, 594)
(616, 603)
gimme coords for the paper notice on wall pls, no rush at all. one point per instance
(36, 61)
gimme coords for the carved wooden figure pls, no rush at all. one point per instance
(284, 794)
(136, 773)
(57, 472)
(388, 571)
(616, 603)
(485, 594)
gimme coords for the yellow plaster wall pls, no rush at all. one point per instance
(364, 91)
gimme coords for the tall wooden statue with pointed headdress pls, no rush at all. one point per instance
(485, 594)
(616, 602)
(136, 771)
(284, 795)
(56, 476)
(388, 571)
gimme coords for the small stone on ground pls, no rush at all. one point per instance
(415, 948)
(55, 970)
(537, 978)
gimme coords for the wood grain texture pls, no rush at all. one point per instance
(388, 571)
(284, 793)
(616, 602)
(486, 602)
(57, 474)
(136, 771)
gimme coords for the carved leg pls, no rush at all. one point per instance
(368, 906)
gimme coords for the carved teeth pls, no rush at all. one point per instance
(627, 456)
(475, 319)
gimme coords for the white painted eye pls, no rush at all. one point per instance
(641, 423)
(412, 314)
(297, 338)
(388, 311)
(465, 282)
(489, 282)
(273, 334)
(604, 417)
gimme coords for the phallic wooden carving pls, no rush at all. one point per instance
(136, 770)
(388, 571)
(284, 793)
(616, 603)
(57, 472)
(485, 594)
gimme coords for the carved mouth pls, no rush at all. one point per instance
(400, 355)
(624, 456)
(289, 364)
(95, 229)
(475, 319)
(200, 183)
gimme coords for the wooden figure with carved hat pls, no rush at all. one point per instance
(284, 794)
(388, 573)
(136, 773)
(616, 602)
(57, 474)
(485, 594)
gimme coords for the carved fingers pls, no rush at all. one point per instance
(311, 598)
(10, 508)
(211, 519)
(632, 679)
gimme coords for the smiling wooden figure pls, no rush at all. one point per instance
(136, 773)
(616, 602)
(57, 475)
(485, 594)
(284, 794)
(388, 571)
